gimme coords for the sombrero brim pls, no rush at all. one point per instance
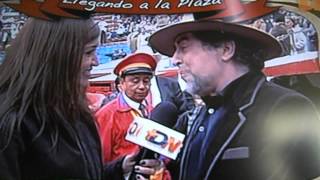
(163, 40)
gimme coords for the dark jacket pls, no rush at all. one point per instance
(265, 132)
(76, 155)
(170, 91)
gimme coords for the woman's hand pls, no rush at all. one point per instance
(128, 163)
(148, 167)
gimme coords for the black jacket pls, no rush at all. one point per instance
(170, 91)
(76, 155)
(267, 132)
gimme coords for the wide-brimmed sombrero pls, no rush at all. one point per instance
(163, 40)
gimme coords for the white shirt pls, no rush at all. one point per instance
(155, 92)
(131, 103)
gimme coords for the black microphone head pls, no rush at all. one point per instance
(165, 113)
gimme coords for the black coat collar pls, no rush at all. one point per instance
(237, 92)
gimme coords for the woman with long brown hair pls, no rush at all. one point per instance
(46, 128)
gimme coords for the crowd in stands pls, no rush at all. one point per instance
(122, 27)
(10, 24)
(130, 30)
(296, 33)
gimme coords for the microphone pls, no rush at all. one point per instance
(166, 114)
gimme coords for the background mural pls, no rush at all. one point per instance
(297, 31)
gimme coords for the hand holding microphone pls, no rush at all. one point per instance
(128, 163)
(145, 168)
(155, 136)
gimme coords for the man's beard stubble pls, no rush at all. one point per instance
(199, 85)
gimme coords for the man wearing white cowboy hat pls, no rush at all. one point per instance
(249, 128)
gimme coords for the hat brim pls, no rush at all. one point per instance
(163, 40)
(138, 70)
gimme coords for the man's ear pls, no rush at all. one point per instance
(229, 48)
(121, 81)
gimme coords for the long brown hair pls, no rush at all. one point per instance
(41, 75)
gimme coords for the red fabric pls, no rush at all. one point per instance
(162, 174)
(166, 175)
(149, 102)
(113, 121)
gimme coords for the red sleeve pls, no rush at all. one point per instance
(105, 119)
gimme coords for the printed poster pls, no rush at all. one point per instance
(126, 26)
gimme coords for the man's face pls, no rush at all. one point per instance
(288, 22)
(200, 66)
(89, 59)
(136, 86)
